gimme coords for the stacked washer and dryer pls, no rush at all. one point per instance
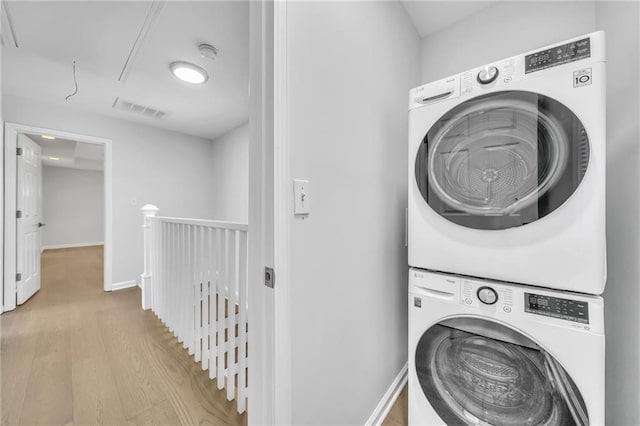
(507, 241)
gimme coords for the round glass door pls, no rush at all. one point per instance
(502, 160)
(477, 372)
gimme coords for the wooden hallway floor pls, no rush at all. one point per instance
(76, 355)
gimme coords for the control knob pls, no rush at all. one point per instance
(487, 74)
(487, 295)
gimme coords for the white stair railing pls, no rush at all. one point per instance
(195, 281)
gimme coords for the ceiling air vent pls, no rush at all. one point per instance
(128, 106)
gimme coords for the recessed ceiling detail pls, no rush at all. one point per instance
(128, 106)
(149, 24)
(69, 153)
(9, 34)
(99, 35)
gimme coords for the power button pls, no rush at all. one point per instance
(507, 309)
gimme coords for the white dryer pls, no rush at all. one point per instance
(487, 353)
(507, 169)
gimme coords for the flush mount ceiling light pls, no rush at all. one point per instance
(47, 137)
(189, 72)
(54, 158)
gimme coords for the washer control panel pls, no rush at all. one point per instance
(486, 295)
(511, 303)
(557, 307)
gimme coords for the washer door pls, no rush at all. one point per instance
(477, 372)
(502, 160)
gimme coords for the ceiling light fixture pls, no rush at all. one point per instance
(54, 158)
(48, 137)
(189, 72)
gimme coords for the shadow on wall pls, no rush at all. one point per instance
(622, 318)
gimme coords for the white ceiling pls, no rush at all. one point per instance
(429, 16)
(101, 37)
(69, 153)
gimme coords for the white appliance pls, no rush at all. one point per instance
(507, 169)
(487, 353)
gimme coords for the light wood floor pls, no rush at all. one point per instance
(398, 414)
(74, 354)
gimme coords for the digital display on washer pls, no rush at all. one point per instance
(556, 307)
(558, 55)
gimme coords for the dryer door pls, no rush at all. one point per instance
(477, 372)
(502, 160)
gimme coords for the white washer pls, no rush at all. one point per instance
(487, 353)
(507, 169)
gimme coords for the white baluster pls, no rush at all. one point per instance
(232, 264)
(166, 277)
(174, 278)
(242, 326)
(178, 295)
(194, 290)
(148, 211)
(157, 258)
(154, 265)
(187, 282)
(163, 231)
(222, 282)
(214, 247)
(202, 276)
(199, 320)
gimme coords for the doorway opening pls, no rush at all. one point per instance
(26, 152)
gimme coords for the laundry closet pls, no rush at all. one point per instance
(511, 207)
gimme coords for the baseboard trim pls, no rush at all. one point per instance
(389, 398)
(124, 284)
(74, 245)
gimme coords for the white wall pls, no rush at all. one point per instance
(72, 206)
(350, 67)
(500, 31)
(509, 28)
(622, 295)
(168, 169)
(230, 175)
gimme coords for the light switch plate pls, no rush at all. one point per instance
(301, 197)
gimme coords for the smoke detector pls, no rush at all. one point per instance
(207, 51)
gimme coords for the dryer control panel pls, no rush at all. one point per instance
(557, 55)
(503, 74)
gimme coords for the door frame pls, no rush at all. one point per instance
(270, 215)
(283, 216)
(11, 131)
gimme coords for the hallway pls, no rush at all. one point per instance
(74, 354)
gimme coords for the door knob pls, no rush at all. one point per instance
(40, 224)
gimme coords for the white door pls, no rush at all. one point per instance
(29, 206)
